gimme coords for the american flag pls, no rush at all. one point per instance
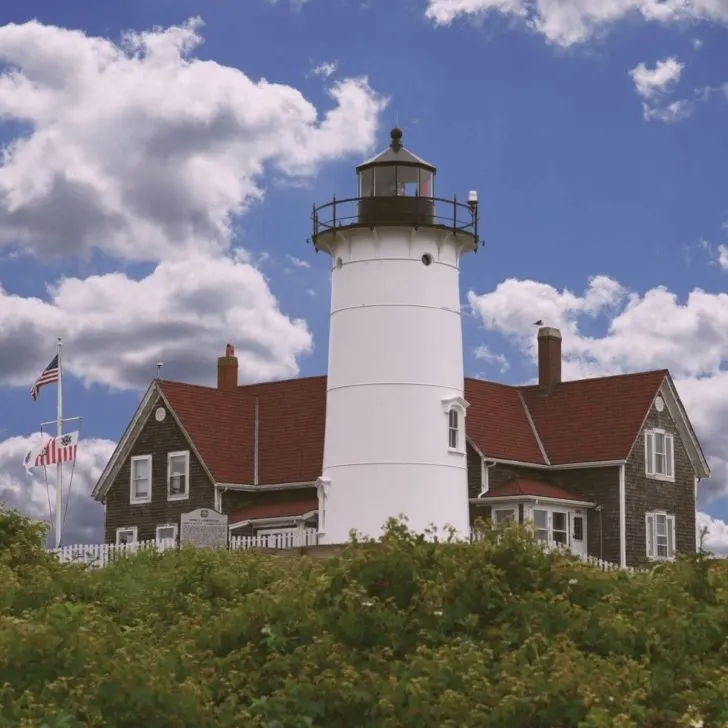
(48, 376)
(60, 449)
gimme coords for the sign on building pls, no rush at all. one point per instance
(204, 528)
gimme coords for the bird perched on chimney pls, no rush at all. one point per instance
(229, 350)
(538, 323)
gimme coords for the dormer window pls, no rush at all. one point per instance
(178, 475)
(659, 455)
(454, 408)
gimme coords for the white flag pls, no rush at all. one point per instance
(32, 455)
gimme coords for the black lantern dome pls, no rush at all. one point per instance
(396, 188)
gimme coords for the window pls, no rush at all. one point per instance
(541, 520)
(453, 429)
(578, 528)
(141, 479)
(659, 455)
(126, 535)
(178, 475)
(660, 535)
(167, 534)
(454, 408)
(501, 515)
(559, 532)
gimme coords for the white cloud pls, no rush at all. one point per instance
(483, 353)
(324, 69)
(568, 22)
(84, 517)
(650, 82)
(652, 330)
(722, 256)
(297, 262)
(116, 328)
(142, 150)
(716, 537)
(653, 84)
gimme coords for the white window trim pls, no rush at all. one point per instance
(550, 510)
(670, 534)
(166, 525)
(123, 529)
(177, 454)
(132, 499)
(650, 461)
(460, 406)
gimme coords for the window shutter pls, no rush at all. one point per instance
(649, 453)
(650, 531)
(669, 456)
(671, 536)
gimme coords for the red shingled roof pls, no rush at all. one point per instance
(588, 420)
(222, 424)
(521, 487)
(274, 510)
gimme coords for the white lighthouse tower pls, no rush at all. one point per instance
(395, 413)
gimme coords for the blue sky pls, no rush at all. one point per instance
(541, 112)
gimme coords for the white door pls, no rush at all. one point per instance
(578, 534)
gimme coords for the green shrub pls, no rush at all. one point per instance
(404, 632)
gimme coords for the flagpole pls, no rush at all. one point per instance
(59, 432)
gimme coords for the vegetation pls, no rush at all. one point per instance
(404, 633)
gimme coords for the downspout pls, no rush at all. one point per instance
(256, 442)
(484, 479)
(622, 518)
(599, 510)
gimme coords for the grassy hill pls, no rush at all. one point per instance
(403, 633)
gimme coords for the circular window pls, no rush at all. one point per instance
(160, 414)
(427, 259)
(659, 404)
(339, 263)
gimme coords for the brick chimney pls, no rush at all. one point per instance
(549, 358)
(227, 370)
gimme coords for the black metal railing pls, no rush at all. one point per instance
(458, 217)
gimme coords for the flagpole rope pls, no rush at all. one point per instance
(70, 480)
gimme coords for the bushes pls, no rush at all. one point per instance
(403, 633)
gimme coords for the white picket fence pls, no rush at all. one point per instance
(98, 555)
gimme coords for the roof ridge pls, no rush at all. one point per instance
(533, 428)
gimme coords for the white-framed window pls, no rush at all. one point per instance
(126, 535)
(501, 515)
(178, 475)
(551, 525)
(454, 408)
(453, 429)
(541, 521)
(660, 528)
(141, 479)
(167, 533)
(577, 528)
(659, 455)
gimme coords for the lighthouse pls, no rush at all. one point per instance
(395, 410)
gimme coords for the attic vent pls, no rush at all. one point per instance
(659, 404)
(160, 414)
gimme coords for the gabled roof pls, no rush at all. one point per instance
(529, 488)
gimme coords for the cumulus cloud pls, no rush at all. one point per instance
(568, 22)
(688, 337)
(716, 536)
(116, 328)
(84, 517)
(324, 69)
(146, 152)
(652, 86)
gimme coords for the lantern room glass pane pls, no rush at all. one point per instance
(407, 181)
(427, 187)
(385, 181)
(366, 183)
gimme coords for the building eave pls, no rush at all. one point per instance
(489, 500)
(250, 488)
(274, 520)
